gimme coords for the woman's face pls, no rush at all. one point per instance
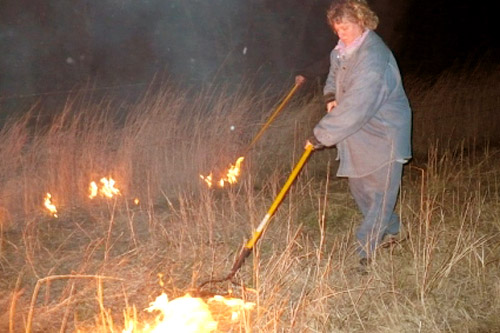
(347, 31)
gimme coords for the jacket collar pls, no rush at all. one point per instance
(347, 50)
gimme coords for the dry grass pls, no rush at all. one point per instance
(100, 257)
(454, 107)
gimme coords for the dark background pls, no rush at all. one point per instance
(50, 46)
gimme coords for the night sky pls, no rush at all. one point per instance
(59, 44)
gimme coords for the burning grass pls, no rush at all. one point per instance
(101, 262)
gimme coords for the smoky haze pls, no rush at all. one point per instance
(50, 45)
(58, 44)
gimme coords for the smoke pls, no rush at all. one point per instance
(199, 39)
(42, 46)
(58, 44)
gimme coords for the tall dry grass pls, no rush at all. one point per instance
(459, 105)
(102, 257)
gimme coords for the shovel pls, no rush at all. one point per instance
(250, 244)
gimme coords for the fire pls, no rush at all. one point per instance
(107, 188)
(47, 202)
(189, 314)
(93, 189)
(235, 304)
(230, 177)
(184, 314)
(207, 179)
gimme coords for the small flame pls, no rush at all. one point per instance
(234, 171)
(160, 280)
(107, 188)
(230, 177)
(207, 179)
(137, 201)
(47, 202)
(93, 190)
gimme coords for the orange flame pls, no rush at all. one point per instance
(188, 314)
(107, 188)
(47, 202)
(184, 314)
(230, 177)
(93, 189)
(207, 179)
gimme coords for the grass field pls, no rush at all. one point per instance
(104, 259)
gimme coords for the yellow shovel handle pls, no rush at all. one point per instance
(265, 221)
(247, 249)
(274, 115)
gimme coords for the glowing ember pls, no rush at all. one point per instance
(230, 177)
(190, 315)
(107, 188)
(47, 202)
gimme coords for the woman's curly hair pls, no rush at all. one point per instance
(356, 11)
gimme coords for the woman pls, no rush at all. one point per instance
(368, 119)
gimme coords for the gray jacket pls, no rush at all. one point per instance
(371, 124)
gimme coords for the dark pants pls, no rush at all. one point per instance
(376, 195)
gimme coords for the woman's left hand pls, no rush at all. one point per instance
(330, 106)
